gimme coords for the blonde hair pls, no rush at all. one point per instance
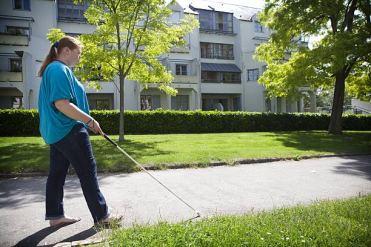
(56, 48)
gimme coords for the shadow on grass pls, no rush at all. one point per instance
(109, 158)
(26, 157)
(319, 141)
(30, 157)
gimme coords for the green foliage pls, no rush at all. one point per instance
(129, 39)
(19, 122)
(326, 223)
(359, 85)
(290, 65)
(26, 122)
(54, 35)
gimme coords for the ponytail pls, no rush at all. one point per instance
(52, 55)
(56, 48)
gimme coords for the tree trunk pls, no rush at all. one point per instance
(335, 127)
(121, 130)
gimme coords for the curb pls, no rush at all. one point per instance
(196, 165)
(80, 243)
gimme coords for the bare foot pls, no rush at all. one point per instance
(63, 221)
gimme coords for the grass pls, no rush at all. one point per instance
(327, 223)
(30, 154)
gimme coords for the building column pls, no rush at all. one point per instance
(192, 100)
(274, 104)
(313, 103)
(283, 105)
(29, 79)
(168, 101)
(301, 104)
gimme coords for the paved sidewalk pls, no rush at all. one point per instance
(217, 190)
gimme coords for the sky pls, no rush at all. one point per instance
(250, 3)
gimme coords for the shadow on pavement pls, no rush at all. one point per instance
(37, 237)
(356, 166)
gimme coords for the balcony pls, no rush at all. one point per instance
(236, 81)
(216, 56)
(14, 39)
(184, 49)
(191, 79)
(216, 31)
(8, 76)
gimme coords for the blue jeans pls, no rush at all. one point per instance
(74, 148)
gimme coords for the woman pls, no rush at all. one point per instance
(64, 118)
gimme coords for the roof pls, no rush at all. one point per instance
(239, 11)
(220, 67)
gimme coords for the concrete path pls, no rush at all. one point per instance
(217, 190)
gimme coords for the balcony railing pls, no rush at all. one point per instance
(185, 79)
(220, 81)
(183, 49)
(216, 31)
(8, 76)
(14, 39)
(215, 56)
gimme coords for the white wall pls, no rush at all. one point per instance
(44, 13)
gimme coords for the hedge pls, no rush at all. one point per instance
(26, 122)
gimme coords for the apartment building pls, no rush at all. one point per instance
(215, 70)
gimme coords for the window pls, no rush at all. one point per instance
(15, 65)
(102, 104)
(67, 10)
(22, 5)
(216, 21)
(100, 101)
(209, 76)
(206, 19)
(18, 30)
(220, 77)
(252, 74)
(180, 102)
(206, 50)
(258, 27)
(215, 50)
(181, 69)
(231, 77)
(150, 102)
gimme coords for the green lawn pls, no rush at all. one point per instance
(327, 223)
(27, 154)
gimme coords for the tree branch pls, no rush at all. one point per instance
(139, 41)
(349, 16)
(112, 66)
(131, 28)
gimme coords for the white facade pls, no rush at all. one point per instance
(230, 80)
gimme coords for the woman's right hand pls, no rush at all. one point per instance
(95, 127)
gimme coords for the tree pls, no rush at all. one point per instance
(129, 39)
(339, 57)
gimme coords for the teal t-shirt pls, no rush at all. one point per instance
(58, 82)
